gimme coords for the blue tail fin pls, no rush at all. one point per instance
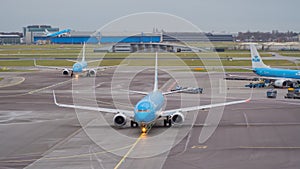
(256, 59)
(155, 78)
(83, 52)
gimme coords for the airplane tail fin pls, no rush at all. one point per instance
(155, 78)
(256, 59)
(83, 53)
(46, 31)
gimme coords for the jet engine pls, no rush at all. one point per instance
(92, 72)
(177, 118)
(282, 83)
(65, 72)
(119, 120)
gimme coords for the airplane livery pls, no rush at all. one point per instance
(148, 109)
(77, 68)
(282, 77)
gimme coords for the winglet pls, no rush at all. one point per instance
(155, 78)
(54, 97)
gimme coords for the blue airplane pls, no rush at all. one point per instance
(77, 68)
(281, 77)
(149, 109)
(56, 34)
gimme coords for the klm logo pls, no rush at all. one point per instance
(256, 59)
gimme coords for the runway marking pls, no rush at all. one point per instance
(199, 147)
(67, 157)
(271, 147)
(38, 90)
(13, 84)
(246, 119)
(129, 151)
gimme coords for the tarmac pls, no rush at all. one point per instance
(35, 133)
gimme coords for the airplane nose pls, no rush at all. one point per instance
(143, 117)
(77, 69)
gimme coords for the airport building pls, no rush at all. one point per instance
(32, 31)
(195, 37)
(79, 37)
(37, 34)
(10, 38)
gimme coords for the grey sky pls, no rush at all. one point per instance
(208, 15)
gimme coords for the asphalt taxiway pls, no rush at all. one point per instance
(35, 133)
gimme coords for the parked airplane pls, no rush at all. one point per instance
(77, 68)
(148, 109)
(59, 33)
(281, 77)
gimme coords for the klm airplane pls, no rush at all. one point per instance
(77, 68)
(149, 109)
(281, 77)
(56, 34)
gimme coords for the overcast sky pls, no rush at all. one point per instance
(208, 15)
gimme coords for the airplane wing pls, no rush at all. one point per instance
(107, 110)
(187, 109)
(137, 92)
(50, 67)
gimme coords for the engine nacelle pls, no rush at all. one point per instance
(65, 72)
(177, 118)
(92, 72)
(282, 83)
(119, 120)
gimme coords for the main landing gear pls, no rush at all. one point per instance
(167, 122)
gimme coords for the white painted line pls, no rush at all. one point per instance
(246, 119)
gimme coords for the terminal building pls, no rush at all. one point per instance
(10, 38)
(32, 31)
(79, 37)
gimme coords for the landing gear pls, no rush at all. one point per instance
(134, 124)
(72, 74)
(167, 122)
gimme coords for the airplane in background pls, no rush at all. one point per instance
(281, 77)
(57, 34)
(77, 68)
(149, 109)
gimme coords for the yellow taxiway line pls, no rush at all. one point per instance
(129, 151)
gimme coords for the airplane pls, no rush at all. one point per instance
(59, 33)
(149, 109)
(281, 77)
(77, 68)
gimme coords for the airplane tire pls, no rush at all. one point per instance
(133, 124)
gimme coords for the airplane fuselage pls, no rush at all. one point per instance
(59, 33)
(275, 72)
(78, 67)
(147, 109)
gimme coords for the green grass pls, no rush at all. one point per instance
(293, 54)
(148, 63)
(1, 78)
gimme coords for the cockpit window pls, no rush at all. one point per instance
(144, 110)
(143, 107)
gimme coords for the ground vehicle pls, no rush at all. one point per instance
(271, 93)
(193, 90)
(293, 93)
(256, 85)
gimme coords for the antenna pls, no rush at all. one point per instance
(155, 78)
